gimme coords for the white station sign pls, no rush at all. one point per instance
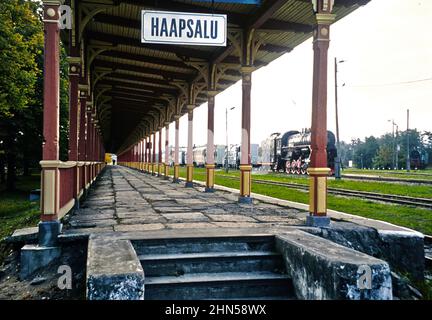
(165, 27)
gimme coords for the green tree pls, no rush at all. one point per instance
(21, 42)
(427, 140)
(415, 143)
(364, 152)
(21, 89)
(384, 156)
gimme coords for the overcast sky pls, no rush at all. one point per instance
(383, 43)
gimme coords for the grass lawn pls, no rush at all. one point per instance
(16, 211)
(415, 218)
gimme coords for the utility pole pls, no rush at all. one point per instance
(393, 144)
(226, 137)
(338, 158)
(397, 148)
(408, 160)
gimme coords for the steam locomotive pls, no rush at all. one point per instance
(290, 152)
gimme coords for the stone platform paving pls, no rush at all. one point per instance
(125, 200)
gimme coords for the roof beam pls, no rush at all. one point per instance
(264, 13)
(130, 67)
(234, 18)
(135, 86)
(147, 59)
(275, 48)
(135, 94)
(129, 98)
(135, 42)
(283, 26)
(344, 3)
(122, 76)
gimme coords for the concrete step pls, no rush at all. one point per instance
(200, 244)
(223, 285)
(205, 262)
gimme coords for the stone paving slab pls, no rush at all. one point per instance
(125, 200)
(185, 216)
(172, 209)
(237, 224)
(196, 225)
(230, 218)
(139, 227)
(141, 220)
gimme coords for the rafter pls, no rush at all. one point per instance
(148, 70)
(133, 42)
(139, 87)
(147, 59)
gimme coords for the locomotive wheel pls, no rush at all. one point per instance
(293, 167)
(287, 167)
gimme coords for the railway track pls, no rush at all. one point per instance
(419, 174)
(385, 179)
(354, 176)
(391, 198)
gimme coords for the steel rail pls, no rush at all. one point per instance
(385, 179)
(396, 199)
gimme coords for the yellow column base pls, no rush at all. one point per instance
(160, 169)
(245, 180)
(176, 173)
(166, 173)
(189, 175)
(318, 191)
(210, 177)
(153, 165)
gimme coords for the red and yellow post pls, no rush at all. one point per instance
(189, 163)
(245, 157)
(318, 169)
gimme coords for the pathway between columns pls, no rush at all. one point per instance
(125, 200)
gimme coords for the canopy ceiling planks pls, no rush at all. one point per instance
(136, 88)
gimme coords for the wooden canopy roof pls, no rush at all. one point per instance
(135, 86)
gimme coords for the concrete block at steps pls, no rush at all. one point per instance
(114, 271)
(402, 249)
(34, 257)
(321, 269)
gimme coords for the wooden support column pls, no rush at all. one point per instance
(82, 130)
(134, 155)
(82, 138)
(318, 170)
(176, 150)
(142, 159)
(88, 140)
(160, 163)
(146, 156)
(210, 165)
(92, 143)
(245, 157)
(189, 162)
(49, 227)
(154, 154)
(149, 159)
(74, 118)
(166, 165)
